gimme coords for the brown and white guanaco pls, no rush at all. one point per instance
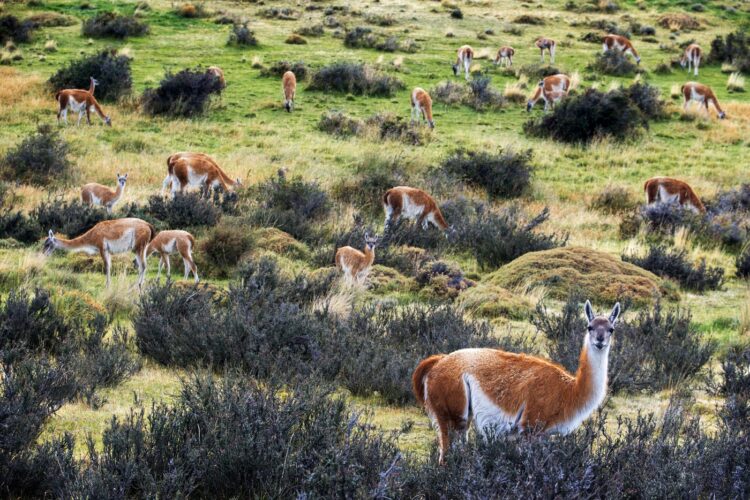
(702, 94)
(548, 44)
(620, 43)
(168, 242)
(289, 87)
(219, 74)
(80, 101)
(356, 264)
(186, 169)
(669, 190)
(500, 391)
(96, 194)
(107, 238)
(505, 55)
(421, 106)
(464, 58)
(550, 90)
(692, 57)
(414, 204)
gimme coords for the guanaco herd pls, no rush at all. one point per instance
(495, 390)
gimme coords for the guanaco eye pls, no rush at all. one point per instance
(591, 328)
(611, 330)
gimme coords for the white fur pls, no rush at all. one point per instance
(486, 415)
(666, 197)
(122, 244)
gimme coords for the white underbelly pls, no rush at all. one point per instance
(488, 418)
(667, 197)
(169, 247)
(196, 179)
(123, 244)
(410, 209)
(75, 105)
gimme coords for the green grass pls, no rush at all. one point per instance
(251, 136)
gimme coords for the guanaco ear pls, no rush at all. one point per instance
(590, 312)
(614, 314)
(51, 234)
(126, 176)
(117, 174)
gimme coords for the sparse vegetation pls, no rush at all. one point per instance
(614, 63)
(40, 159)
(506, 174)
(354, 78)
(674, 264)
(242, 36)
(111, 25)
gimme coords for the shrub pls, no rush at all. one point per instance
(655, 351)
(111, 25)
(14, 223)
(593, 114)
(733, 200)
(223, 247)
(277, 69)
(614, 63)
(112, 71)
(674, 264)
(360, 37)
(647, 98)
(72, 218)
(292, 205)
(39, 159)
(354, 78)
(389, 126)
(184, 210)
(614, 200)
(285, 14)
(528, 19)
(742, 263)
(505, 174)
(681, 22)
(242, 36)
(339, 124)
(457, 14)
(370, 179)
(192, 11)
(11, 29)
(482, 96)
(314, 30)
(295, 39)
(538, 71)
(449, 92)
(381, 19)
(185, 94)
(733, 49)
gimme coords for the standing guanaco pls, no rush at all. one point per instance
(356, 264)
(505, 55)
(97, 194)
(421, 106)
(80, 101)
(544, 43)
(168, 242)
(464, 58)
(619, 42)
(289, 86)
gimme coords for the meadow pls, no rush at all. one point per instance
(248, 132)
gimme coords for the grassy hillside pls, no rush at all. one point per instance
(251, 136)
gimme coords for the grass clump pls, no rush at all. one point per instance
(223, 247)
(678, 22)
(598, 275)
(295, 39)
(736, 82)
(192, 11)
(614, 200)
(354, 78)
(613, 63)
(674, 264)
(389, 126)
(742, 263)
(486, 300)
(339, 124)
(284, 14)
(182, 94)
(112, 25)
(40, 159)
(529, 19)
(505, 174)
(314, 30)
(111, 70)
(478, 94)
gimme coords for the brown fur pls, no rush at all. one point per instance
(611, 42)
(181, 165)
(289, 86)
(184, 244)
(356, 264)
(544, 43)
(505, 53)
(65, 98)
(92, 191)
(703, 91)
(692, 57)
(464, 57)
(105, 233)
(219, 73)
(393, 200)
(551, 89)
(421, 104)
(674, 187)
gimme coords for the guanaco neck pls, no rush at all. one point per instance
(118, 193)
(73, 244)
(590, 384)
(369, 257)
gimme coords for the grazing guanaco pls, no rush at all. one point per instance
(505, 55)
(168, 242)
(499, 391)
(548, 44)
(219, 74)
(414, 204)
(702, 94)
(289, 87)
(356, 264)
(195, 170)
(97, 194)
(464, 58)
(80, 101)
(692, 57)
(668, 190)
(551, 89)
(421, 106)
(107, 238)
(619, 42)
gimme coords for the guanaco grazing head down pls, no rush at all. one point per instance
(49, 244)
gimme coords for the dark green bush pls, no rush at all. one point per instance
(71, 218)
(528, 19)
(613, 200)
(285, 14)
(505, 174)
(184, 210)
(742, 263)
(40, 159)
(734, 49)
(339, 124)
(112, 25)
(277, 69)
(674, 264)
(185, 94)
(354, 78)
(481, 96)
(647, 98)
(11, 29)
(613, 63)
(223, 247)
(242, 36)
(112, 71)
(14, 223)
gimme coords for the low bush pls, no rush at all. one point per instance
(614, 200)
(449, 92)
(292, 205)
(52, 19)
(13, 222)
(223, 247)
(614, 63)
(389, 126)
(339, 124)
(529, 19)
(732, 200)
(371, 178)
(733, 49)
(112, 72)
(111, 25)
(591, 115)
(482, 97)
(381, 19)
(242, 36)
(285, 14)
(674, 264)
(314, 30)
(192, 11)
(457, 13)
(441, 280)
(72, 218)
(505, 174)
(295, 39)
(648, 99)
(13, 30)
(40, 159)
(657, 350)
(185, 94)
(183, 211)
(354, 78)
(742, 263)
(538, 71)
(277, 69)
(362, 37)
(678, 21)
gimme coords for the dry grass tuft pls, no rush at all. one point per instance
(736, 82)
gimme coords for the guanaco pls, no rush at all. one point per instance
(413, 204)
(289, 87)
(692, 58)
(195, 170)
(548, 44)
(505, 55)
(421, 106)
(168, 242)
(464, 58)
(356, 264)
(97, 194)
(619, 42)
(80, 101)
(668, 190)
(550, 90)
(702, 94)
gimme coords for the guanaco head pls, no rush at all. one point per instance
(600, 328)
(722, 115)
(108, 121)
(121, 179)
(455, 69)
(49, 244)
(530, 103)
(371, 241)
